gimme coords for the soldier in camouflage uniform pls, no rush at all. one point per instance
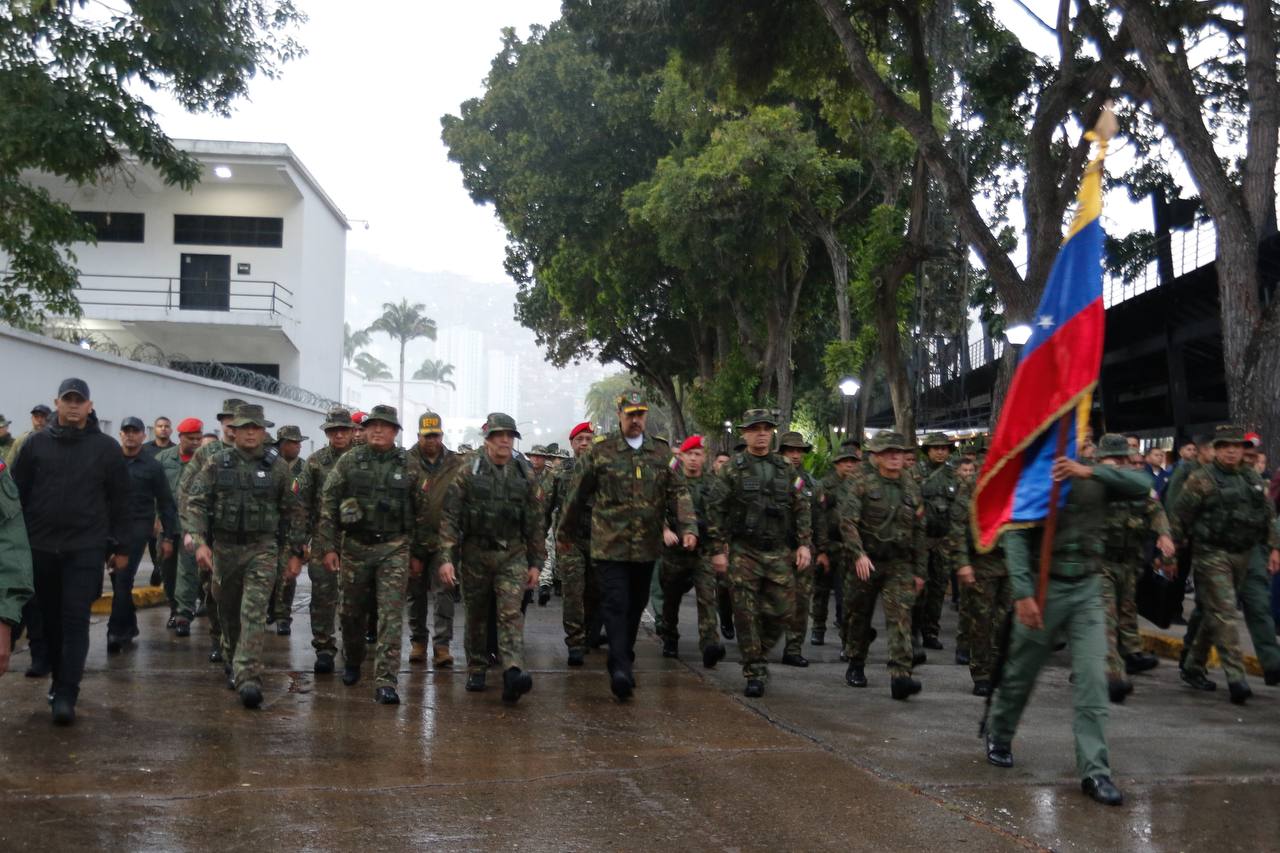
(1223, 507)
(174, 461)
(194, 581)
(882, 525)
(239, 499)
(324, 584)
(757, 507)
(289, 440)
(1126, 531)
(793, 447)
(681, 570)
(371, 534)
(829, 580)
(940, 487)
(437, 464)
(627, 483)
(491, 526)
(579, 580)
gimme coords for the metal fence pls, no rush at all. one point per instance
(184, 293)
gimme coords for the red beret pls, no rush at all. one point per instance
(585, 426)
(693, 442)
(1253, 438)
(190, 425)
(357, 418)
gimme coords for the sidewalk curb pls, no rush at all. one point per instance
(143, 596)
(1165, 646)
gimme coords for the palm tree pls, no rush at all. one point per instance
(404, 323)
(352, 342)
(436, 371)
(371, 368)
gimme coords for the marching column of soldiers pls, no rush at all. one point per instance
(770, 552)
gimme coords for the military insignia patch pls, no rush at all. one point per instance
(674, 464)
(798, 485)
(297, 489)
(261, 474)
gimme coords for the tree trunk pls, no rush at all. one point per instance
(839, 258)
(400, 411)
(667, 388)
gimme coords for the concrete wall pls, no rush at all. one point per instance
(35, 365)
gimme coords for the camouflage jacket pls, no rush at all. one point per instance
(485, 506)
(310, 481)
(557, 489)
(760, 501)
(699, 490)
(883, 518)
(1130, 525)
(436, 477)
(368, 495)
(817, 504)
(1224, 508)
(275, 497)
(197, 461)
(629, 494)
(940, 490)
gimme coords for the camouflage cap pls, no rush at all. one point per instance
(794, 440)
(751, 417)
(430, 424)
(289, 432)
(386, 414)
(537, 450)
(553, 449)
(632, 401)
(465, 448)
(499, 422)
(229, 407)
(338, 417)
(249, 414)
(1229, 434)
(937, 439)
(1112, 444)
(846, 451)
(888, 441)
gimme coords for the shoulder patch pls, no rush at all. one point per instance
(674, 464)
(798, 485)
(296, 487)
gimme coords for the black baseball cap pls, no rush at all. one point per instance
(133, 423)
(79, 386)
(41, 409)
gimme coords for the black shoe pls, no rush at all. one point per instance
(544, 596)
(670, 648)
(1102, 790)
(999, 754)
(962, 657)
(114, 645)
(251, 696)
(1271, 677)
(932, 642)
(982, 687)
(712, 655)
(370, 638)
(854, 676)
(38, 669)
(283, 629)
(515, 684)
(324, 664)
(1240, 692)
(918, 658)
(386, 696)
(493, 659)
(475, 682)
(871, 636)
(620, 684)
(64, 710)
(1118, 689)
(182, 627)
(726, 630)
(844, 657)
(1140, 662)
(215, 655)
(201, 609)
(577, 657)
(271, 619)
(350, 675)
(754, 688)
(231, 681)
(173, 621)
(903, 687)
(1198, 681)
(795, 660)
(818, 638)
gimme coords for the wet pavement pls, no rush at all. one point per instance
(162, 757)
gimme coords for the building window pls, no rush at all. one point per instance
(264, 231)
(114, 227)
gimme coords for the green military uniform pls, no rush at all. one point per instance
(681, 571)
(759, 506)
(491, 529)
(1073, 611)
(238, 501)
(832, 580)
(370, 509)
(805, 580)
(324, 583)
(186, 578)
(436, 477)
(883, 518)
(16, 582)
(1225, 513)
(940, 487)
(579, 581)
(280, 608)
(985, 604)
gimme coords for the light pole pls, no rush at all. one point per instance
(1018, 335)
(848, 388)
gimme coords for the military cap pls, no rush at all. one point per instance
(794, 440)
(499, 422)
(229, 407)
(846, 451)
(553, 449)
(249, 414)
(585, 426)
(41, 409)
(937, 439)
(1112, 444)
(1229, 434)
(537, 450)
(73, 385)
(465, 448)
(3, 421)
(632, 401)
(430, 424)
(386, 414)
(758, 416)
(289, 432)
(888, 441)
(190, 425)
(358, 418)
(338, 417)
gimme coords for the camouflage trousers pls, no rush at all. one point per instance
(1255, 608)
(323, 608)
(421, 589)
(1120, 607)
(1219, 576)
(798, 624)
(243, 576)
(895, 583)
(679, 573)
(377, 572)
(190, 583)
(984, 604)
(580, 585)
(824, 584)
(493, 579)
(926, 616)
(763, 585)
(280, 608)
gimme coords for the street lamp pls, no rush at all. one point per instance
(1018, 335)
(848, 388)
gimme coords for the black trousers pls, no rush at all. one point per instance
(625, 594)
(67, 584)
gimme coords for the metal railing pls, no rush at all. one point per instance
(184, 293)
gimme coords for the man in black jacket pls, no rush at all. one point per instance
(149, 496)
(74, 488)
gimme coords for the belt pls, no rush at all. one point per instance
(1069, 578)
(369, 538)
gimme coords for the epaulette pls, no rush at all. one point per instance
(269, 457)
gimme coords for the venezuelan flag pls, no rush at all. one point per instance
(1056, 374)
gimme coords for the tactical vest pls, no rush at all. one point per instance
(938, 489)
(887, 525)
(496, 502)
(762, 505)
(1125, 530)
(1234, 516)
(381, 488)
(245, 500)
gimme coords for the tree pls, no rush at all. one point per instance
(403, 323)
(353, 342)
(372, 368)
(436, 371)
(71, 105)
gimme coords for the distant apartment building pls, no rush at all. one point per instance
(504, 382)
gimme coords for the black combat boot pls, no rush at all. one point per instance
(818, 637)
(251, 696)
(620, 684)
(386, 696)
(1140, 662)
(712, 655)
(515, 683)
(283, 629)
(1102, 790)
(754, 688)
(854, 676)
(64, 709)
(962, 656)
(215, 654)
(982, 687)
(931, 641)
(670, 647)
(182, 627)
(324, 663)
(795, 660)
(903, 687)
(1271, 677)
(577, 657)
(1198, 681)
(350, 675)
(999, 754)
(475, 682)
(230, 676)
(544, 596)
(1240, 692)
(1118, 689)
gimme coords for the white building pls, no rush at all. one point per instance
(247, 268)
(504, 382)
(464, 349)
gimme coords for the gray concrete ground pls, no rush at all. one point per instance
(163, 758)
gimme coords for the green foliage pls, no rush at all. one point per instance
(729, 393)
(371, 367)
(1129, 256)
(843, 358)
(437, 371)
(353, 342)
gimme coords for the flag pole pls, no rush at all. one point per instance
(1051, 521)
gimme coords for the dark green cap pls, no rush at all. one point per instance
(289, 432)
(846, 451)
(247, 414)
(499, 422)
(537, 450)
(1112, 444)
(632, 401)
(229, 407)
(888, 441)
(1229, 434)
(794, 440)
(338, 417)
(386, 414)
(758, 416)
(430, 424)
(937, 439)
